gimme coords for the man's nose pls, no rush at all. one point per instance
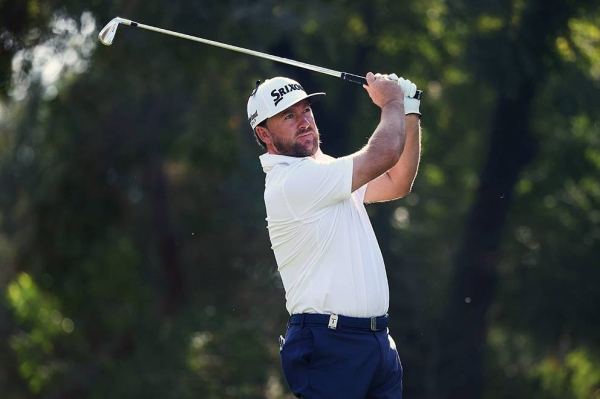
(305, 121)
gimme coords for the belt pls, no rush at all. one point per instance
(335, 321)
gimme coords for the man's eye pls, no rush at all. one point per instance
(306, 110)
(288, 116)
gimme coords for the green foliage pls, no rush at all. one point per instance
(577, 376)
(43, 325)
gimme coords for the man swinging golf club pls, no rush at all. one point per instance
(337, 344)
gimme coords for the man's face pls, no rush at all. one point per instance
(293, 131)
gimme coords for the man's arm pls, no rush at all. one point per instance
(398, 180)
(385, 145)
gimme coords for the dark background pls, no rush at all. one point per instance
(134, 256)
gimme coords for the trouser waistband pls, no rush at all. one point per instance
(334, 321)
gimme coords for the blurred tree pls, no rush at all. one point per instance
(92, 207)
(513, 53)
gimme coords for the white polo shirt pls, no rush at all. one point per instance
(326, 251)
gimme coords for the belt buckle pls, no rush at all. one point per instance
(373, 323)
(333, 320)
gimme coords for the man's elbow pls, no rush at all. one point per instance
(403, 191)
(403, 188)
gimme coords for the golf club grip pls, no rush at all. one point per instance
(361, 80)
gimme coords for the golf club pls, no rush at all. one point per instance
(107, 36)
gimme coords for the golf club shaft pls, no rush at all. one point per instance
(343, 75)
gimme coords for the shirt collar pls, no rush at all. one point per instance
(269, 161)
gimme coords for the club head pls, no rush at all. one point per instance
(107, 34)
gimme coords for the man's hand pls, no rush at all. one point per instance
(383, 90)
(411, 104)
(408, 88)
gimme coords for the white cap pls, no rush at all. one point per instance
(275, 95)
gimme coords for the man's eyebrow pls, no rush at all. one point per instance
(289, 109)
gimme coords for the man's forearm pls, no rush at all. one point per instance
(404, 172)
(384, 147)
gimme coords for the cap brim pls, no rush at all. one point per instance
(315, 97)
(312, 98)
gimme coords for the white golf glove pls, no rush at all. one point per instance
(408, 88)
(411, 105)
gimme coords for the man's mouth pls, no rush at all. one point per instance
(305, 133)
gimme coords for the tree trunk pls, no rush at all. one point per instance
(474, 283)
(156, 186)
(512, 146)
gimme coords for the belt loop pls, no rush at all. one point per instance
(373, 323)
(301, 320)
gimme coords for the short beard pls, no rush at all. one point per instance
(295, 149)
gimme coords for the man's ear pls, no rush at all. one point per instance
(263, 134)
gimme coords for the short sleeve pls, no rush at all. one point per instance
(314, 185)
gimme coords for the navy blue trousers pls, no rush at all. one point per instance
(346, 363)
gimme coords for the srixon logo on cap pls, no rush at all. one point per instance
(278, 94)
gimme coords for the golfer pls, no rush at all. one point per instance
(337, 345)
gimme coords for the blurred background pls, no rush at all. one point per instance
(134, 256)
